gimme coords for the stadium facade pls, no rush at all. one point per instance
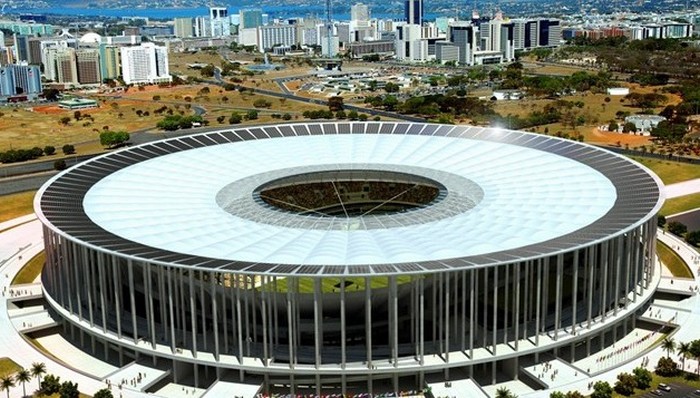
(451, 251)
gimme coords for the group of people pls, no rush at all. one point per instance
(410, 393)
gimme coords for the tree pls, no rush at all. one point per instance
(111, 139)
(49, 150)
(7, 382)
(352, 115)
(23, 376)
(613, 126)
(251, 115)
(629, 127)
(390, 87)
(77, 115)
(262, 103)
(643, 377)
(626, 383)
(661, 221)
(60, 165)
(362, 117)
(286, 116)
(602, 389)
(557, 394)
(69, 390)
(503, 392)
(68, 149)
(51, 94)
(335, 103)
(666, 367)
(235, 118)
(390, 102)
(103, 393)
(677, 229)
(683, 349)
(37, 370)
(668, 344)
(50, 385)
(574, 394)
(695, 352)
(64, 120)
(693, 238)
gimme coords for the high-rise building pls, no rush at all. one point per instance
(220, 24)
(409, 43)
(202, 26)
(88, 66)
(250, 18)
(463, 35)
(359, 14)
(20, 79)
(532, 33)
(146, 63)
(274, 35)
(109, 61)
(413, 12)
(21, 44)
(184, 27)
(60, 65)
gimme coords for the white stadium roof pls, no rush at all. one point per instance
(189, 201)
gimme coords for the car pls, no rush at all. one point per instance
(657, 392)
(665, 387)
(696, 392)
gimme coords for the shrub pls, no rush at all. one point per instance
(626, 383)
(666, 367)
(677, 228)
(68, 149)
(59, 165)
(49, 150)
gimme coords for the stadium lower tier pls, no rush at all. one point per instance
(344, 327)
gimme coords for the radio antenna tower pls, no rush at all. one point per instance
(329, 29)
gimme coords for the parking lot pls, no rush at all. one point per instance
(677, 391)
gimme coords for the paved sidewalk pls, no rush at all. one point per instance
(682, 188)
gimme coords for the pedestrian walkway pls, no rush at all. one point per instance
(458, 389)
(230, 389)
(136, 376)
(682, 188)
(555, 372)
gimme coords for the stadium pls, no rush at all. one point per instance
(336, 257)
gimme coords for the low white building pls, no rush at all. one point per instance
(618, 91)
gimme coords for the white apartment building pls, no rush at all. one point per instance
(273, 35)
(146, 63)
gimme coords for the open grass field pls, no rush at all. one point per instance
(8, 367)
(177, 62)
(31, 270)
(16, 205)
(670, 171)
(41, 126)
(680, 204)
(673, 262)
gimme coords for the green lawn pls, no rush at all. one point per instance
(16, 205)
(31, 270)
(673, 262)
(8, 367)
(670, 171)
(681, 204)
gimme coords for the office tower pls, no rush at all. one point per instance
(250, 18)
(184, 27)
(409, 43)
(220, 24)
(88, 66)
(20, 79)
(463, 35)
(273, 35)
(109, 61)
(146, 63)
(60, 65)
(413, 12)
(21, 44)
(201, 26)
(359, 14)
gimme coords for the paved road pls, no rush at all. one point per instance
(16, 169)
(24, 183)
(690, 218)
